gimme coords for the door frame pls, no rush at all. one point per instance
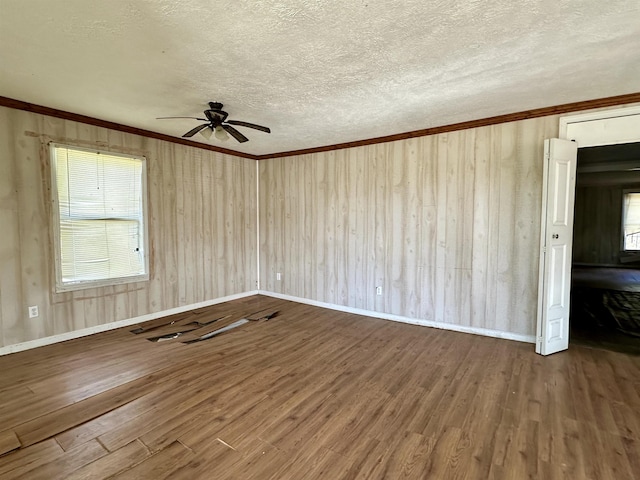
(604, 127)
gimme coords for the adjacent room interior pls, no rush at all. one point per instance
(303, 240)
(606, 254)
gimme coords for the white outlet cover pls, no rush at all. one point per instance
(33, 311)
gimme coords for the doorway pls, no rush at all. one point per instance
(605, 277)
(595, 129)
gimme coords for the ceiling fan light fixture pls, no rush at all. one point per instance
(221, 134)
(217, 125)
(206, 132)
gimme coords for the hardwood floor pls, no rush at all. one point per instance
(605, 308)
(621, 279)
(315, 394)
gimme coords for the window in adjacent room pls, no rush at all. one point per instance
(100, 217)
(631, 221)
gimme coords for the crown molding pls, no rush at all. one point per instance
(483, 122)
(53, 112)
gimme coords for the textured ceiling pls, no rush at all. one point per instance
(316, 72)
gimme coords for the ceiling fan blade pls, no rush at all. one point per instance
(250, 125)
(195, 130)
(194, 118)
(235, 133)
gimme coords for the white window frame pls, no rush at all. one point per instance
(61, 286)
(625, 192)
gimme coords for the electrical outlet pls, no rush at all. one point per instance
(33, 311)
(278, 276)
(379, 290)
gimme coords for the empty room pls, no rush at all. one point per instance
(319, 240)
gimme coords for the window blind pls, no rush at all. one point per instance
(101, 215)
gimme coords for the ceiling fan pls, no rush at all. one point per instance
(218, 124)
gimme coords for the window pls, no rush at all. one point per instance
(631, 221)
(99, 218)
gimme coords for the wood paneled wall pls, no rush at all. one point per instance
(597, 225)
(597, 234)
(448, 225)
(202, 229)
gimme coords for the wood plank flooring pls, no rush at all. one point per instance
(315, 394)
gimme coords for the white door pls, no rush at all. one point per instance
(559, 182)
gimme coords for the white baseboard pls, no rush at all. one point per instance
(40, 342)
(397, 318)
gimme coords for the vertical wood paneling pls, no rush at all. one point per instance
(597, 236)
(481, 228)
(10, 293)
(33, 223)
(427, 184)
(493, 234)
(506, 217)
(526, 233)
(201, 218)
(447, 224)
(164, 205)
(395, 272)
